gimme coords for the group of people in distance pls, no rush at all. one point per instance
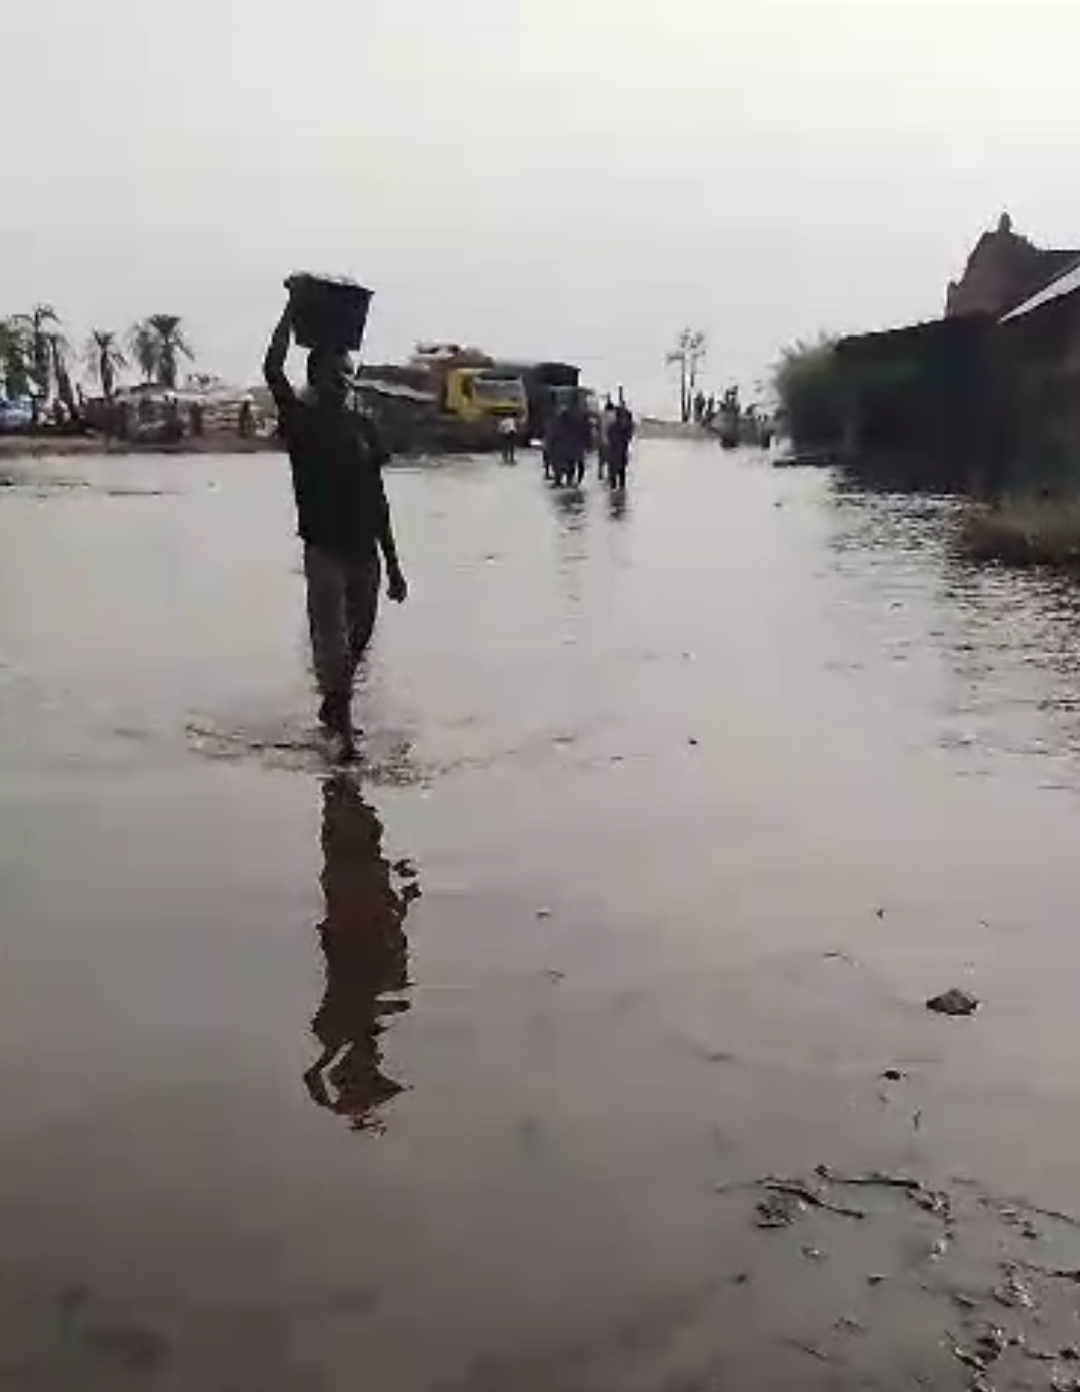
(572, 433)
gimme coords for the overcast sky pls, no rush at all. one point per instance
(572, 178)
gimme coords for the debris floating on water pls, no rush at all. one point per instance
(953, 1002)
(787, 1199)
(778, 1211)
(1012, 1292)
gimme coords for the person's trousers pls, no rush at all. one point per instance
(342, 602)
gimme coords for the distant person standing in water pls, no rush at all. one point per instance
(607, 420)
(508, 439)
(578, 438)
(343, 520)
(620, 436)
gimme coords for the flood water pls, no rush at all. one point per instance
(462, 1073)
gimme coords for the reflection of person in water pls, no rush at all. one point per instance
(366, 953)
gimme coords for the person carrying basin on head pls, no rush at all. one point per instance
(343, 515)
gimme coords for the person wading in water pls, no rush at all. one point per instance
(620, 434)
(343, 519)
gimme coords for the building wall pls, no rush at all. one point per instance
(1039, 366)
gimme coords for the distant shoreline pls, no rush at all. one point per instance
(653, 428)
(46, 446)
(66, 446)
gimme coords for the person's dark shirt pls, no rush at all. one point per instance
(337, 458)
(621, 430)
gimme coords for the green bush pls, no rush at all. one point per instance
(808, 383)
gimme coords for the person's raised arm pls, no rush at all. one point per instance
(276, 354)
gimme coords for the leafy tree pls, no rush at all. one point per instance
(810, 386)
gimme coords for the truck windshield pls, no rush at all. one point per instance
(499, 389)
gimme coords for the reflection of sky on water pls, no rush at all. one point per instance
(995, 653)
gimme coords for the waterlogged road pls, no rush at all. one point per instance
(462, 1075)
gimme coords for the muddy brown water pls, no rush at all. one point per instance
(673, 813)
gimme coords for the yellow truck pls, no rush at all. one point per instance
(483, 397)
(473, 394)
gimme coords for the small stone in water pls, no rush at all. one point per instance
(991, 1344)
(893, 1075)
(953, 1002)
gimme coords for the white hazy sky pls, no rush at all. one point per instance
(575, 178)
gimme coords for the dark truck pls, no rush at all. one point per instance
(545, 384)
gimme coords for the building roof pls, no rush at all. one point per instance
(908, 337)
(380, 387)
(1066, 284)
(1005, 270)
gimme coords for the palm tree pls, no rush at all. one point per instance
(105, 360)
(691, 348)
(142, 341)
(59, 348)
(172, 347)
(158, 344)
(40, 327)
(14, 357)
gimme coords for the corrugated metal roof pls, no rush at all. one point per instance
(1066, 284)
(952, 330)
(378, 387)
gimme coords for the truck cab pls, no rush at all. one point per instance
(484, 396)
